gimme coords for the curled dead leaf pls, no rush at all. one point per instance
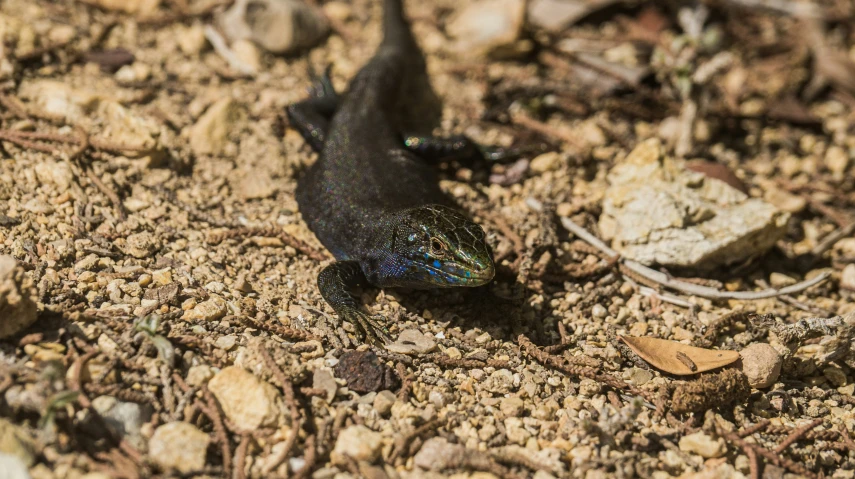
(678, 358)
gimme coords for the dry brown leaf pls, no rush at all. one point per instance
(678, 358)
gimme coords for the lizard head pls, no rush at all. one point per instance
(440, 247)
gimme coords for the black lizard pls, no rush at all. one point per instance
(372, 197)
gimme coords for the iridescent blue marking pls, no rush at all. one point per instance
(437, 264)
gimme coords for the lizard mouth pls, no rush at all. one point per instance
(464, 275)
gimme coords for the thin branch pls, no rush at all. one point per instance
(219, 44)
(682, 286)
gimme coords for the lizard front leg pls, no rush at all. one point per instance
(335, 282)
(311, 117)
(457, 147)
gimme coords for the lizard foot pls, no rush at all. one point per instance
(371, 327)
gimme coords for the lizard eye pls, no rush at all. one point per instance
(436, 245)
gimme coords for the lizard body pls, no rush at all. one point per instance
(372, 198)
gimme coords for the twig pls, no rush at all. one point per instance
(406, 382)
(219, 44)
(832, 238)
(562, 364)
(109, 193)
(403, 440)
(213, 412)
(770, 456)
(240, 457)
(524, 120)
(796, 435)
(76, 385)
(271, 232)
(753, 463)
(310, 457)
(290, 399)
(279, 330)
(755, 428)
(682, 286)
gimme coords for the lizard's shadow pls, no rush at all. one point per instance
(490, 308)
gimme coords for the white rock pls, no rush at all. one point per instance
(488, 27)
(412, 341)
(248, 402)
(847, 277)
(357, 442)
(18, 309)
(178, 445)
(278, 26)
(556, 15)
(11, 467)
(210, 134)
(761, 363)
(699, 222)
(703, 445)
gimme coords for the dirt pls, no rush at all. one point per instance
(158, 260)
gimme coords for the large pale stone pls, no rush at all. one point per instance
(247, 402)
(278, 26)
(657, 212)
(179, 445)
(104, 116)
(488, 27)
(357, 442)
(210, 134)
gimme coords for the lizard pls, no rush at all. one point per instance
(372, 197)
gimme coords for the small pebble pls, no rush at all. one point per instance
(359, 443)
(761, 364)
(179, 445)
(383, 402)
(703, 445)
(847, 277)
(779, 280)
(226, 342)
(412, 341)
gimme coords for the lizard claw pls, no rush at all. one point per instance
(371, 327)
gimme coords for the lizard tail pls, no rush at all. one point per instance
(396, 28)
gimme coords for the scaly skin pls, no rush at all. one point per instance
(372, 197)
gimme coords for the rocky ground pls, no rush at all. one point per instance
(158, 308)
